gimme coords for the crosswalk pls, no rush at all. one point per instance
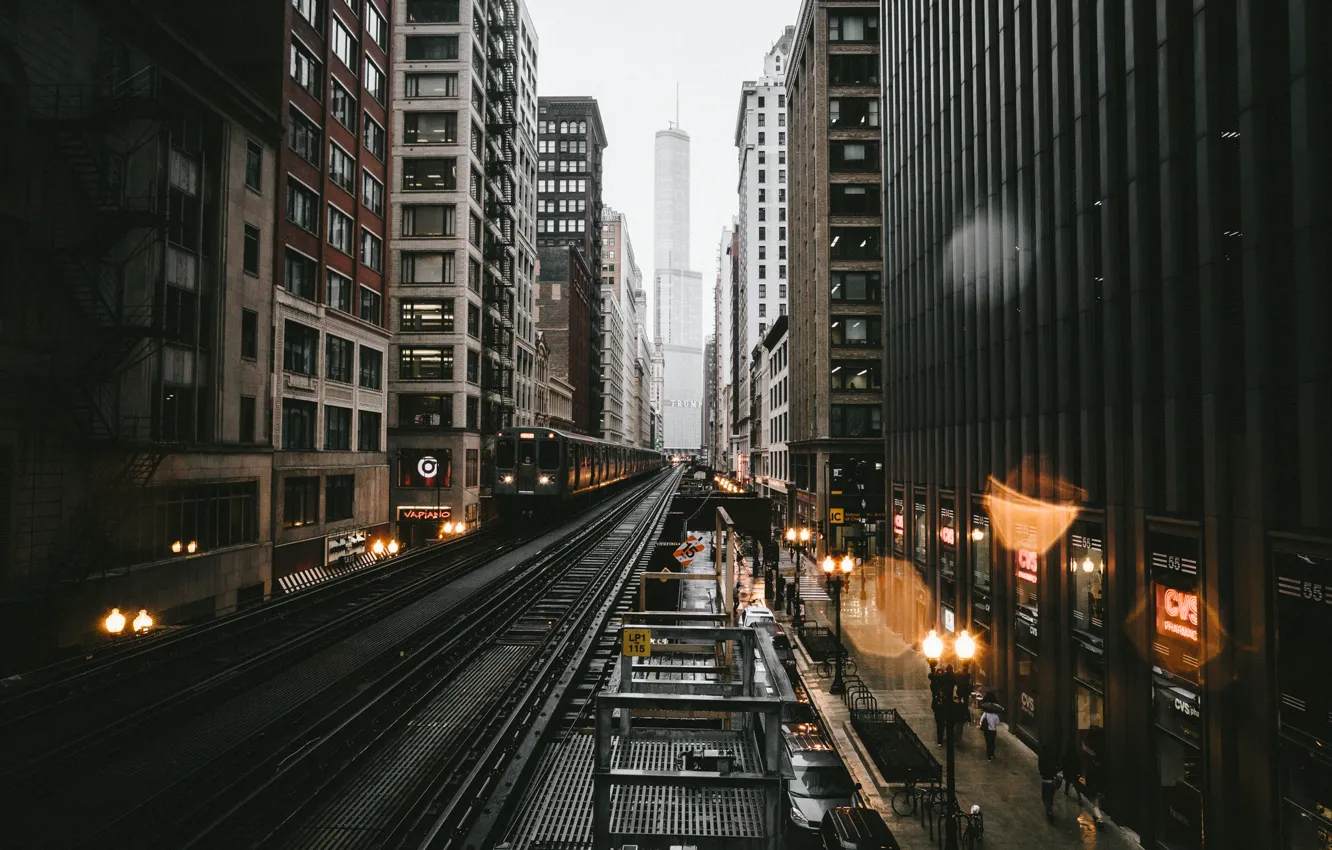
(318, 575)
(812, 589)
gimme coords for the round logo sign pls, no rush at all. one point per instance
(427, 466)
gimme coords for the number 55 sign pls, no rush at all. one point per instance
(638, 642)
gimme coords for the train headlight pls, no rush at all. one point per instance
(545, 479)
(508, 479)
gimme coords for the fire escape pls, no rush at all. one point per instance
(501, 246)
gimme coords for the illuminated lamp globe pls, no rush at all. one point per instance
(1088, 566)
(393, 547)
(804, 535)
(848, 564)
(115, 622)
(176, 547)
(932, 646)
(378, 547)
(143, 622)
(829, 565)
(977, 534)
(191, 547)
(791, 534)
(966, 646)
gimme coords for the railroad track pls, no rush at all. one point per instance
(423, 745)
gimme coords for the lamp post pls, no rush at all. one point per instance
(798, 538)
(834, 581)
(963, 648)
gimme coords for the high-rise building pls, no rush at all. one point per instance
(570, 139)
(678, 297)
(642, 393)
(463, 230)
(836, 316)
(624, 372)
(772, 464)
(725, 317)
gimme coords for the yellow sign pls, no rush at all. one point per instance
(836, 516)
(638, 642)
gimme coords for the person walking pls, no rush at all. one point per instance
(1048, 765)
(1073, 770)
(989, 722)
(939, 705)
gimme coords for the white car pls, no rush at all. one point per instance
(759, 618)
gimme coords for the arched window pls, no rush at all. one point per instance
(582, 126)
(564, 126)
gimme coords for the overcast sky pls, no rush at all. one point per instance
(629, 55)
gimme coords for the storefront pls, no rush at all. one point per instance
(1177, 705)
(1086, 564)
(925, 616)
(947, 562)
(982, 593)
(1026, 634)
(421, 500)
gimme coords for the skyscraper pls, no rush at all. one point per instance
(678, 296)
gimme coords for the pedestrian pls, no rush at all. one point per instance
(939, 704)
(963, 711)
(990, 726)
(1048, 765)
(1073, 770)
(1093, 746)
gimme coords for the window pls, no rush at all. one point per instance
(850, 376)
(337, 428)
(374, 80)
(857, 420)
(302, 207)
(298, 424)
(343, 106)
(299, 274)
(306, 70)
(425, 411)
(763, 213)
(473, 321)
(853, 112)
(763, 255)
(374, 137)
(430, 128)
(432, 85)
(300, 502)
(763, 196)
(300, 351)
(247, 409)
(367, 430)
(781, 138)
(341, 167)
(762, 138)
(311, 11)
(338, 355)
(249, 335)
(781, 272)
(474, 230)
(338, 295)
(763, 272)
(431, 48)
(339, 493)
(372, 368)
(372, 194)
(254, 164)
(781, 175)
(303, 136)
(763, 311)
(763, 175)
(339, 229)
(426, 316)
(854, 156)
(344, 45)
(432, 11)
(781, 122)
(432, 220)
(763, 290)
(853, 69)
(853, 27)
(781, 254)
(375, 26)
(761, 101)
(372, 306)
(855, 243)
(427, 267)
(372, 251)
(251, 258)
(856, 330)
(425, 363)
(473, 469)
(856, 287)
(429, 175)
(763, 119)
(473, 367)
(763, 233)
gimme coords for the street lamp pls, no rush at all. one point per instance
(834, 581)
(143, 622)
(115, 622)
(798, 538)
(948, 683)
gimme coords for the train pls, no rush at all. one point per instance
(539, 470)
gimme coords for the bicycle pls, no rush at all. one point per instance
(970, 827)
(906, 800)
(828, 666)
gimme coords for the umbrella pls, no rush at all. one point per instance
(991, 705)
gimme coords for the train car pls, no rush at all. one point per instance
(538, 470)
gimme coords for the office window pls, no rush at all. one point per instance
(762, 137)
(311, 10)
(781, 272)
(854, 199)
(763, 311)
(298, 424)
(473, 321)
(474, 230)
(781, 252)
(303, 136)
(853, 112)
(781, 101)
(432, 48)
(341, 167)
(782, 293)
(853, 27)
(850, 376)
(337, 428)
(427, 267)
(430, 128)
(763, 290)
(254, 164)
(372, 368)
(307, 71)
(302, 207)
(430, 220)
(857, 420)
(251, 255)
(855, 243)
(372, 194)
(339, 229)
(763, 255)
(473, 367)
(343, 106)
(300, 502)
(763, 175)
(374, 137)
(781, 233)
(854, 156)
(300, 349)
(338, 355)
(781, 213)
(856, 330)
(762, 213)
(425, 411)
(429, 175)
(339, 494)
(375, 80)
(372, 306)
(339, 292)
(856, 287)
(249, 335)
(247, 414)
(473, 474)
(762, 119)
(432, 85)
(344, 45)
(420, 364)
(372, 251)
(367, 430)
(299, 275)
(763, 233)
(433, 11)
(781, 175)
(426, 316)
(763, 195)
(761, 101)
(853, 69)
(375, 26)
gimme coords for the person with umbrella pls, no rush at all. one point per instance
(989, 723)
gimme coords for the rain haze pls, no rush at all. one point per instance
(630, 55)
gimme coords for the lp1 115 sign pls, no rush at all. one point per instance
(638, 642)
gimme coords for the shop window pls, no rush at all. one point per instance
(425, 411)
(300, 502)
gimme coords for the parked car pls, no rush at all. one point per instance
(757, 617)
(820, 781)
(846, 828)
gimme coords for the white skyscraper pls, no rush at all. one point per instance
(678, 296)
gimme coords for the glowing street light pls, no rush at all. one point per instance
(143, 622)
(378, 548)
(393, 547)
(115, 622)
(949, 682)
(191, 547)
(177, 547)
(835, 581)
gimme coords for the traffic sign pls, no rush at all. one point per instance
(638, 642)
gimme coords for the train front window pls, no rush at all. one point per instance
(504, 454)
(527, 453)
(550, 454)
